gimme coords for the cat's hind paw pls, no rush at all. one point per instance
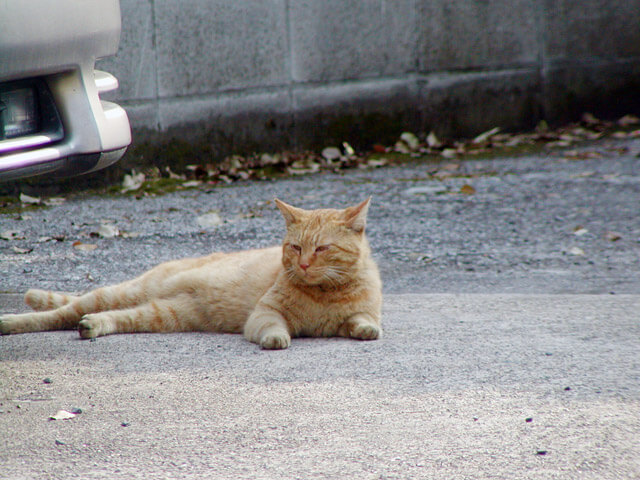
(10, 324)
(90, 327)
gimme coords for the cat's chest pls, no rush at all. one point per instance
(318, 315)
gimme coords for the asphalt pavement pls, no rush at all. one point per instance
(511, 346)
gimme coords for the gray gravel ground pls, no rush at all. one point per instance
(514, 235)
(505, 354)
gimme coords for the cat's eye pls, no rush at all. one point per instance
(322, 248)
(297, 248)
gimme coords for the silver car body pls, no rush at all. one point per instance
(48, 51)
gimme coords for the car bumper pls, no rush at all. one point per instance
(56, 50)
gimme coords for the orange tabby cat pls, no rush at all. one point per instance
(322, 282)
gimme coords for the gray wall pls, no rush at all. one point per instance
(265, 74)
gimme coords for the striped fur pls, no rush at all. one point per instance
(320, 282)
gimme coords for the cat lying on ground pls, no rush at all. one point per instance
(321, 282)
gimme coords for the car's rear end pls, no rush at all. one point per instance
(52, 120)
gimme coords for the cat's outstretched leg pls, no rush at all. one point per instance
(268, 329)
(42, 300)
(67, 316)
(176, 314)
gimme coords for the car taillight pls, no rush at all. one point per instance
(19, 115)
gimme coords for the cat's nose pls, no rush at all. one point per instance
(304, 266)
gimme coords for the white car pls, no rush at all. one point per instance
(52, 120)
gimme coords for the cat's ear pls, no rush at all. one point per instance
(356, 217)
(290, 214)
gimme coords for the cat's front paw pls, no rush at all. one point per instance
(90, 326)
(366, 331)
(275, 341)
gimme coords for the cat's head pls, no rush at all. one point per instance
(324, 247)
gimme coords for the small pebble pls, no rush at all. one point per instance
(58, 442)
(566, 389)
(76, 411)
(541, 452)
(528, 420)
(125, 424)
(47, 381)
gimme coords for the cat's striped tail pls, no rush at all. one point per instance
(42, 300)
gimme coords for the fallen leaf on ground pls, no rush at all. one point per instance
(192, 183)
(628, 120)
(579, 231)
(377, 162)
(467, 189)
(30, 200)
(53, 201)
(108, 231)
(11, 235)
(576, 251)
(590, 119)
(483, 137)
(62, 415)
(132, 182)
(209, 220)
(84, 247)
(612, 236)
(21, 251)
(433, 141)
(348, 149)
(331, 153)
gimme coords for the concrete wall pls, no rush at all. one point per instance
(266, 74)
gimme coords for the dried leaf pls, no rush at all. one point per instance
(53, 201)
(348, 149)
(108, 231)
(62, 415)
(467, 189)
(433, 141)
(483, 137)
(21, 251)
(30, 200)
(192, 183)
(11, 235)
(377, 162)
(209, 220)
(628, 120)
(579, 231)
(576, 251)
(612, 236)
(132, 182)
(590, 119)
(410, 140)
(435, 189)
(331, 153)
(449, 153)
(84, 247)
